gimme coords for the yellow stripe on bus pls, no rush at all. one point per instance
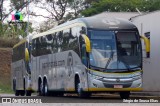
(70, 89)
(113, 89)
(114, 73)
(21, 42)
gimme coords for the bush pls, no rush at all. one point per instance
(8, 42)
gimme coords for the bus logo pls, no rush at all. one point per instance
(117, 80)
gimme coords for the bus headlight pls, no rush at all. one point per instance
(137, 77)
(96, 77)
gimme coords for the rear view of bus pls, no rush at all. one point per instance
(115, 57)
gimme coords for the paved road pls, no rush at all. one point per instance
(97, 98)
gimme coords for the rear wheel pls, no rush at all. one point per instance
(45, 88)
(80, 91)
(40, 88)
(124, 94)
(17, 92)
(22, 93)
(28, 93)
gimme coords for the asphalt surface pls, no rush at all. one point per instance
(73, 98)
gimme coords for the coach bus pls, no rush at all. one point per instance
(87, 55)
(20, 69)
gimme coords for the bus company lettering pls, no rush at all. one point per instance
(18, 68)
(53, 64)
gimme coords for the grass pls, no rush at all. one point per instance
(5, 87)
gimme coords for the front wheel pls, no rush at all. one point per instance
(80, 91)
(124, 94)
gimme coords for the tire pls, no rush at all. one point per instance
(17, 92)
(80, 92)
(22, 93)
(45, 89)
(124, 95)
(40, 90)
(28, 93)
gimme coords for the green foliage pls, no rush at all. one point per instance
(14, 30)
(5, 88)
(121, 6)
(8, 42)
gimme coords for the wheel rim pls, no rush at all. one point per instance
(79, 88)
(46, 88)
(41, 88)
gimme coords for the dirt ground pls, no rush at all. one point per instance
(5, 66)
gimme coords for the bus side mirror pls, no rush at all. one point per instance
(26, 55)
(87, 42)
(147, 45)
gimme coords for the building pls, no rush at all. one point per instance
(149, 26)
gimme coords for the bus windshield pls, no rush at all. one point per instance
(128, 49)
(103, 46)
(115, 52)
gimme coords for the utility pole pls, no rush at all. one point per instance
(28, 18)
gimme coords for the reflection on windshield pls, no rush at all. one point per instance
(103, 44)
(128, 49)
(104, 53)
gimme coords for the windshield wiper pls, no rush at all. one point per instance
(138, 67)
(109, 60)
(127, 65)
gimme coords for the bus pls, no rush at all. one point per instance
(84, 56)
(20, 69)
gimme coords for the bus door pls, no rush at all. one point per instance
(84, 55)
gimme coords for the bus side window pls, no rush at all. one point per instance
(33, 47)
(54, 44)
(59, 36)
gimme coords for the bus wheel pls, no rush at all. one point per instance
(22, 93)
(17, 92)
(40, 88)
(28, 93)
(80, 92)
(45, 89)
(124, 94)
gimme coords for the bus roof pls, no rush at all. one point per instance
(105, 23)
(94, 22)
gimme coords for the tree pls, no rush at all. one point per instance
(5, 12)
(56, 9)
(1, 9)
(121, 6)
(60, 10)
(46, 25)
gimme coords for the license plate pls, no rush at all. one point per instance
(118, 86)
